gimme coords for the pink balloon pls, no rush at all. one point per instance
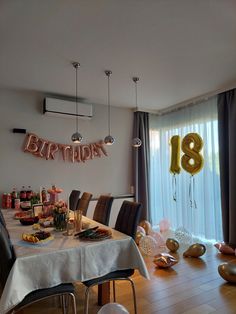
(164, 225)
(224, 248)
(159, 238)
(141, 230)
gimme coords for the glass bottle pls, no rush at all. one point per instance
(78, 219)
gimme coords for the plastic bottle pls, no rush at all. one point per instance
(44, 195)
(13, 197)
(29, 193)
(23, 194)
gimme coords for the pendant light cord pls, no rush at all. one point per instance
(136, 79)
(109, 111)
(76, 97)
(108, 74)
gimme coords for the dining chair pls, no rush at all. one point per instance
(6, 262)
(74, 200)
(84, 202)
(102, 209)
(2, 220)
(127, 222)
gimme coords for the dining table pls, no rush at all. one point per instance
(64, 259)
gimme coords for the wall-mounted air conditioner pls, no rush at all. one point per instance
(66, 108)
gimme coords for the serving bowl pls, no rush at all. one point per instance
(27, 221)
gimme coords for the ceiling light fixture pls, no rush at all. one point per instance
(76, 137)
(136, 142)
(109, 140)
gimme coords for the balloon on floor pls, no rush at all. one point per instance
(113, 308)
(228, 271)
(172, 244)
(195, 250)
(164, 260)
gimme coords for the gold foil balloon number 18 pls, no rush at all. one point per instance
(192, 160)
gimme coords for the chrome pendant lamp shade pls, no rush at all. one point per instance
(109, 140)
(136, 142)
(76, 137)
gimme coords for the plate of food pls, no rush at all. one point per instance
(46, 222)
(20, 215)
(95, 234)
(37, 237)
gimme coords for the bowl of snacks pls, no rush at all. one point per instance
(27, 221)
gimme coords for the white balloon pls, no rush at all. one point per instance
(113, 308)
(183, 235)
(148, 245)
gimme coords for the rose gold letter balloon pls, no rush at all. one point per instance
(195, 250)
(224, 248)
(31, 144)
(172, 244)
(164, 260)
(228, 271)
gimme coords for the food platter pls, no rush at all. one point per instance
(98, 234)
(46, 222)
(19, 215)
(37, 237)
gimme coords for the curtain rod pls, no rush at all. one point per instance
(192, 101)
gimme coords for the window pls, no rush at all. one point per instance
(205, 220)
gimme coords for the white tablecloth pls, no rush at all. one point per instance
(62, 260)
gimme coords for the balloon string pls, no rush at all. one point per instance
(193, 203)
(190, 192)
(174, 188)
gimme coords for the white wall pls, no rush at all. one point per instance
(110, 174)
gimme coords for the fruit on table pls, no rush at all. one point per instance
(36, 237)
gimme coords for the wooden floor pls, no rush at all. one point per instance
(193, 286)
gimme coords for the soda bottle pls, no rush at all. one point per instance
(44, 195)
(29, 193)
(13, 197)
(23, 194)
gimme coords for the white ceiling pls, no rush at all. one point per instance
(180, 49)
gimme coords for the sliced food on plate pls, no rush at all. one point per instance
(95, 234)
(37, 237)
(20, 215)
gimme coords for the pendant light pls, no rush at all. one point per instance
(109, 140)
(76, 137)
(136, 142)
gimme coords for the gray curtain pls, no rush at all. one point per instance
(227, 152)
(141, 157)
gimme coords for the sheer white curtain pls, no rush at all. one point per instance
(205, 220)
